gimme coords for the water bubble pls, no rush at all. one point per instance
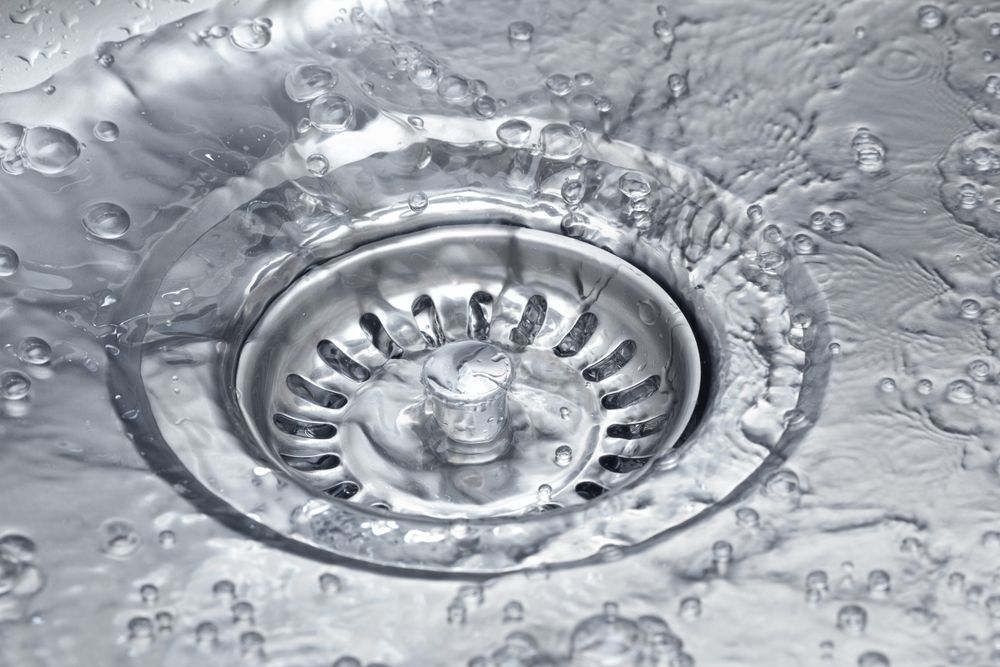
(149, 593)
(634, 185)
(206, 634)
(514, 133)
(243, 612)
(140, 627)
(544, 494)
(105, 60)
(560, 84)
(48, 150)
(329, 583)
(838, 221)
(307, 82)
(970, 309)
(879, 583)
(677, 83)
(969, 196)
(106, 221)
(852, 619)
(560, 141)
(425, 73)
(869, 151)
(417, 202)
(317, 164)
(930, 17)
(755, 213)
(747, 517)
(572, 191)
(960, 392)
(252, 644)
(453, 88)
(979, 370)
(18, 548)
(803, 244)
(873, 659)
(563, 456)
(119, 538)
(520, 31)
(35, 351)
(513, 612)
(331, 113)
(164, 622)
(485, 106)
(456, 613)
(168, 540)
(14, 386)
(887, 385)
(690, 608)
(817, 585)
(224, 588)
(106, 131)
(782, 483)
(664, 32)
(10, 137)
(251, 35)
(925, 386)
(584, 79)
(9, 261)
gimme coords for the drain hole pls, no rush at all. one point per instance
(622, 464)
(639, 429)
(343, 490)
(426, 315)
(578, 336)
(312, 463)
(380, 338)
(590, 490)
(303, 429)
(632, 395)
(480, 315)
(335, 358)
(612, 363)
(531, 321)
(313, 393)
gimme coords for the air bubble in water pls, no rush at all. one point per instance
(168, 539)
(782, 483)
(106, 131)
(560, 141)
(224, 588)
(453, 88)
(961, 392)
(307, 82)
(514, 133)
(925, 386)
(251, 35)
(563, 456)
(755, 213)
(634, 185)
(119, 538)
(690, 608)
(206, 634)
(887, 385)
(852, 619)
(331, 113)
(329, 583)
(48, 150)
(9, 261)
(930, 17)
(14, 386)
(317, 164)
(485, 106)
(559, 84)
(252, 644)
(572, 191)
(869, 151)
(417, 202)
(747, 517)
(513, 612)
(106, 221)
(149, 593)
(243, 613)
(803, 244)
(873, 659)
(970, 309)
(979, 370)
(425, 73)
(520, 31)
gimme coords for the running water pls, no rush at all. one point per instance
(812, 188)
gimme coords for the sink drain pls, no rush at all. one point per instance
(469, 372)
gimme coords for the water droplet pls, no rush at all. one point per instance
(747, 517)
(879, 584)
(852, 619)
(869, 151)
(329, 583)
(755, 213)
(560, 84)
(563, 456)
(930, 17)
(106, 221)
(677, 83)
(979, 370)
(140, 628)
(317, 164)
(206, 634)
(544, 494)
(485, 106)
(960, 392)
(224, 588)
(18, 548)
(803, 244)
(9, 261)
(873, 659)
(664, 32)
(690, 608)
(149, 593)
(243, 613)
(119, 538)
(559, 141)
(513, 612)
(331, 113)
(514, 133)
(106, 131)
(251, 35)
(417, 202)
(105, 60)
(307, 82)
(168, 540)
(252, 644)
(456, 613)
(425, 73)
(649, 312)
(14, 386)
(520, 31)
(887, 385)
(453, 88)
(970, 309)
(782, 483)
(925, 386)
(572, 191)
(48, 150)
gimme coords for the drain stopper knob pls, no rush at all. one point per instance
(466, 385)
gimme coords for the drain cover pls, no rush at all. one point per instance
(469, 372)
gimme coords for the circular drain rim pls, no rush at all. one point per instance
(304, 432)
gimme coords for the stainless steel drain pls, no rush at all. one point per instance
(469, 372)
